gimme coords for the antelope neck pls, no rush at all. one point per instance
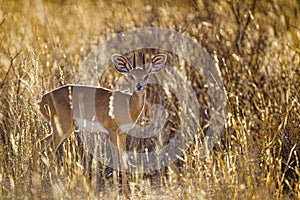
(136, 104)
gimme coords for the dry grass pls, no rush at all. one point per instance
(256, 45)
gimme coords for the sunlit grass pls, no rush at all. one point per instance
(256, 47)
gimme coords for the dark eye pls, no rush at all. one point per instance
(146, 78)
(131, 77)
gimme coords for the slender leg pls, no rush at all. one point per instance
(121, 139)
(60, 132)
(45, 142)
(114, 156)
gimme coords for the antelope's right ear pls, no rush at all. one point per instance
(121, 63)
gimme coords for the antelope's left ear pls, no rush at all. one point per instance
(157, 63)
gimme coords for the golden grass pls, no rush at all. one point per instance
(256, 46)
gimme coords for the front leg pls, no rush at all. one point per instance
(121, 141)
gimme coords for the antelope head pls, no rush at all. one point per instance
(139, 76)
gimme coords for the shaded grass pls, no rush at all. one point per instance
(254, 43)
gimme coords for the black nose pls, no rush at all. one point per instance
(139, 87)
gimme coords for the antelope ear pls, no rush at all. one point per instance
(157, 63)
(121, 63)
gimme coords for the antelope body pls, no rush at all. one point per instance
(100, 109)
(71, 105)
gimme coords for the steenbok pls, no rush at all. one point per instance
(101, 109)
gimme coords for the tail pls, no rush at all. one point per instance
(45, 113)
(44, 108)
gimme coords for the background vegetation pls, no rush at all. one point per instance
(256, 45)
